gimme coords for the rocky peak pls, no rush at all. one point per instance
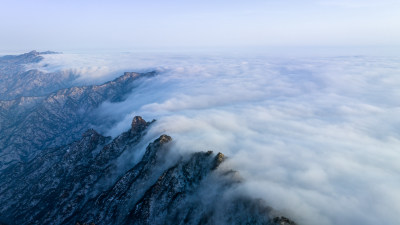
(138, 124)
(49, 52)
(218, 159)
(152, 150)
(33, 52)
(164, 139)
(129, 74)
(126, 76)
(281, 220)
(36, 53)
(133, 75)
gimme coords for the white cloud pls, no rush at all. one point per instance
(317, 138)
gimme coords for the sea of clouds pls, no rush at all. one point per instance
(318, 138)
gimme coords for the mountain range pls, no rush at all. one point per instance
(56, 169)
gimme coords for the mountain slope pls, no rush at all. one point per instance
(35, 123)
(82, 182)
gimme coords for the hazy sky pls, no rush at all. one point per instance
(120, 24)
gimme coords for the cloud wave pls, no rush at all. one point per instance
(318, 138)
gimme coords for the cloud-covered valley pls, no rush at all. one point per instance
(317, 138)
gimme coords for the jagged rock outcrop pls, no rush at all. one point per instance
(83, 183)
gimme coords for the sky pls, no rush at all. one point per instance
(155, 24)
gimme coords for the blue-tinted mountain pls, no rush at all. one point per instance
(29, 124)
(16, 80)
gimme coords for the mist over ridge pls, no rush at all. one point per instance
(200, 112)
(316, 137)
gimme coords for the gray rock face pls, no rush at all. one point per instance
(80, 183)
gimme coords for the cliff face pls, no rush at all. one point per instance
(81, 182)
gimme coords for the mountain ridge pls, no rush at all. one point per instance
(18, 80)
(80, 183)
(56, 119)
(56, 169)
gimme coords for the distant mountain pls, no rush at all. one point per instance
(17, 81)
(84, 182)
(30, 57)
